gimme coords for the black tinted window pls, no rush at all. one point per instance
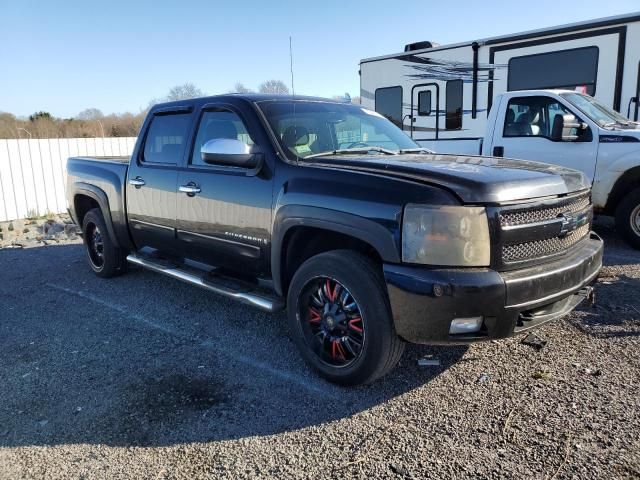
(389, 104)
(215, 125)
(424, 103)
(166, 139)
(575, 68)
(454, 105)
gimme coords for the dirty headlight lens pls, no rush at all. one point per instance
(448, 236)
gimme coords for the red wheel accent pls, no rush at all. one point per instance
(315, 316)
(352, 324)
(337, 351)
(331, 295)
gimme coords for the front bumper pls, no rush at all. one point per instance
(509, 302)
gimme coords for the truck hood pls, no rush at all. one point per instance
(474, 179)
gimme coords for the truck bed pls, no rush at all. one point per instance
(102, 179)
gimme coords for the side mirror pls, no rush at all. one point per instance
(230, 152)
(565, 128)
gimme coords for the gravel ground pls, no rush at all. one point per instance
(145, 377)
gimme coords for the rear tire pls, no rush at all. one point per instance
(105, 258)
(628, 218)
(340, 318)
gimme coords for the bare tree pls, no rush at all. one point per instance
(183, 92)
(274, 86)
(90, 114)
(240, 88)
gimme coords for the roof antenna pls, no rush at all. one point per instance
(293, 90)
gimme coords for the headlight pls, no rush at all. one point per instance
(448, 236)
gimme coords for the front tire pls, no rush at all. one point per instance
(628, 218)
(105, 258)
(340, 318)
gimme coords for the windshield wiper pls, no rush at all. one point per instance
(617, 122)
(415, 150)
(352, 150)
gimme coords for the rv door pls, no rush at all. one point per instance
(425, 108)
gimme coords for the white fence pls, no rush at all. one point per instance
(33, 172)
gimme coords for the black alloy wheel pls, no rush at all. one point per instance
(331, 322)
(95, 245)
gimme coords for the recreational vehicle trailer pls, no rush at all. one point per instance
(440, 94)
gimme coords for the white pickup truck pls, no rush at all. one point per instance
(570, 129)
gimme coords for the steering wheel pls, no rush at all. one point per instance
(358, 144)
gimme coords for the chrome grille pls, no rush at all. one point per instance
(541, 248)
(523, 216)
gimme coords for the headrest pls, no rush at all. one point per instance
(295, 136)
(511, 116)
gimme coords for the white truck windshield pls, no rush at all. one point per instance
(602, 115)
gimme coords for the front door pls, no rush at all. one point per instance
(425, 106)
(224, 213)
(152, 180)
(525, 133)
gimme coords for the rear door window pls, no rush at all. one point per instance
(166, 139)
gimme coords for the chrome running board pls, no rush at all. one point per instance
(240, 291)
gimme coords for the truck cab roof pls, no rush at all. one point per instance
(249, 97)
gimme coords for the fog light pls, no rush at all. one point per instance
(465, 325)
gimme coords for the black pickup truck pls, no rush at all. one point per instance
(330, 211)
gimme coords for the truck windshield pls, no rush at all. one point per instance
(314, 128)
(602, 115)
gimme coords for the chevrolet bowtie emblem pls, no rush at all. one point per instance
(569, 224)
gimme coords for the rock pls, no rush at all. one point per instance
(542, 375)
(399, 470)
(534, 341)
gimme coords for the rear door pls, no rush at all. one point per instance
(523, 130)
(152, 179)
(226, 219)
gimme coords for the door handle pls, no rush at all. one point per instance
(190, 189)
(137, 182)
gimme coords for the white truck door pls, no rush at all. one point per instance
(524, 127)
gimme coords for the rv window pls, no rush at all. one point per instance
(453, 117)
(389, 103)
(424, 103)
(572, 69)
